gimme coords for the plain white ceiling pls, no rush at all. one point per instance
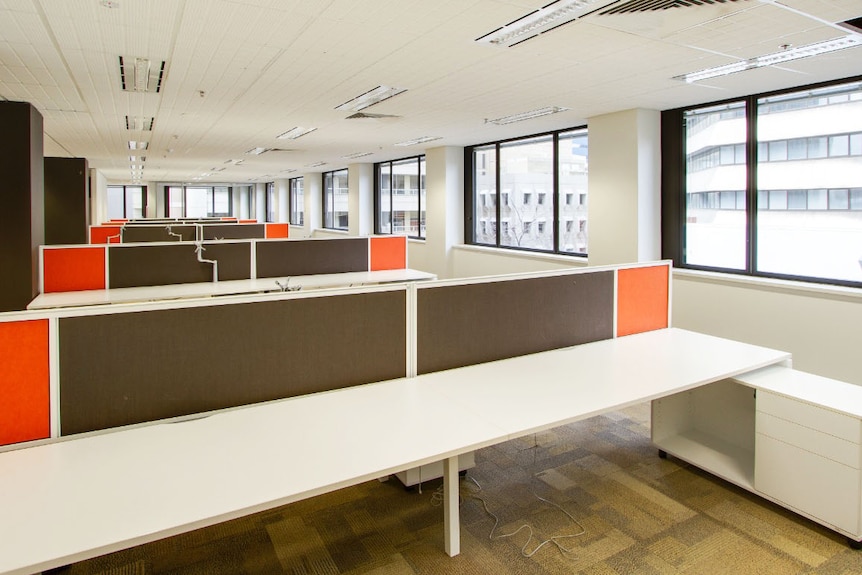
(240, 72)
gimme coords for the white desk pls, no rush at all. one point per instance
(73, 500)
(222, 288)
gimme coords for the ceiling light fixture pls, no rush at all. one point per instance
(356, 155)
(315, 165)
(134, 145)
(137, 158)
(138, 75)
(526, 115)
(295, 133)
(256, 151)
(774, 58)
(140, 123)
(541, 21)
(421, 140)
(371, 97)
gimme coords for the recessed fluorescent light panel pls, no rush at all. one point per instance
(542, 20)
(141, 75)
(774, 58)
(137, 158)
(421, 140)
(526, 115)
(356, 155)
(369, 98)
(295, 133)
(256, 151)
(134, 145)
(315, 165)
(140, 123)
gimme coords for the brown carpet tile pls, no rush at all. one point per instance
(612, 505)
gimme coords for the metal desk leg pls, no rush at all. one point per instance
(451, 493)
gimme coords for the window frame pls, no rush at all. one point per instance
(421, 210)
(210, 208)
(294, 186)
(674, 188)
(143, 190)
(326, 193)
(470, 187)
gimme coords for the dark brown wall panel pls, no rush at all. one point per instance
(305, 257)
(22, 219)
(66, 201)
(128, 368)
(234, 231)
(152, 265)
(155, 233)
(474, 323)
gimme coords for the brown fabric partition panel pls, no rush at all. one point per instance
(129, 368)
(153, 233)
(306, 257)
(233, 231)
(177, 263)
(474, 323)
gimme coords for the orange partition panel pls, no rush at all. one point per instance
(105, 234)
(73, 269)
(642, 299)
(388, 253)
(276, 231)
(248, 221)
(24, 383)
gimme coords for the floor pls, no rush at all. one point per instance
(590, 498)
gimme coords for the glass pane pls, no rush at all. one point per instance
(422, 197)
(335, 200)
(405, 197)
(572, 176)
(715, 237)
(221, 201)
(485, 195)
(134, 202)
(525, 166)
(196, 203)
(297, 202)
(328, 196)
(116, 205)
(384, 216)
(175, 202)
(805, 238)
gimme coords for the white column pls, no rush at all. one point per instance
(259, 202)
(360, 200)
(444, 211)
(624, 215)
(153, 189)
(312, 189)
(98, 197)
(281, 201)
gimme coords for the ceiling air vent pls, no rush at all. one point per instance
(633, 6)
(141, 75)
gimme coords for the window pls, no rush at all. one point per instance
(270, 202)
(788, 210)
(296, 199)
(198, 201)
(335, 197)
(510, 184)
(399, 197)
(127, 202)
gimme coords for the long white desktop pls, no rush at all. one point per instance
(223, 288)
(72, 500)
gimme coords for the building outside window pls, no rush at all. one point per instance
(127, 202)
(400, 197)
(335, 200)
(296, 201)
(786, 202)
(531, 179)
(198, 201)
(270, 202)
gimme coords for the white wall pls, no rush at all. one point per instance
(819, 325)
(98, 197)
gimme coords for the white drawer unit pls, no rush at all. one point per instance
(804, 446)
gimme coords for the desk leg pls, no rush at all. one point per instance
(451, 494)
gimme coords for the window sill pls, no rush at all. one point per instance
(573, 260)
(770, 284)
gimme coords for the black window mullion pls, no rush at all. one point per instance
(555, 190)
(751, 183)
(498, 225)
